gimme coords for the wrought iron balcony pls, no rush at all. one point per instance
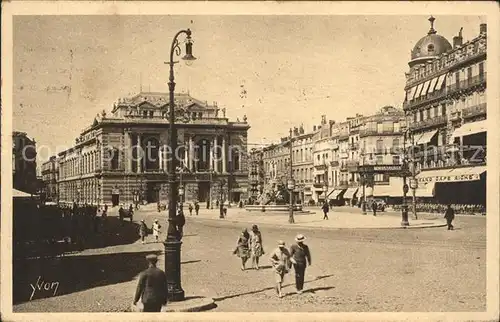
(474, 111)
(424, 99)
(467, 83)
(435, 121)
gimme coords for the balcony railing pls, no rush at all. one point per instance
(354, 146)
(464, 84)
(437, 120)
(334, 163)
(474, 110)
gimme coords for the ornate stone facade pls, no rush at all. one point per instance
(123, 157)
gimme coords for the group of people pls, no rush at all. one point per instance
(179, 222)
(249, 245)
(459, 208)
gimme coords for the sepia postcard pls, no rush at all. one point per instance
(249, 161)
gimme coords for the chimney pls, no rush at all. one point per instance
(457, 40)
(314, 128)
(482, 28)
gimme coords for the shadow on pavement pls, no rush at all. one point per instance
(64, 275)
(191, 262)
(270, 288)
(112, 232)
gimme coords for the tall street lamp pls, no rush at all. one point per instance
(173, 240)
(404, 171)
(291, 183)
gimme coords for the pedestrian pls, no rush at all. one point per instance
(326, 209)
(156, 230)
(224, 209)
(190, 207)
(449, 216)
(374, 208)
(180, 221)
(152, 287)
(256, 247)
(280, 260)
(221, 211)
(242, 248)
(300, 257)
(143, 230)
(196, 208)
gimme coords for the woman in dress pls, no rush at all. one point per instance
(256, 247)
(242, 248)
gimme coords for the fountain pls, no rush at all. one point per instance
(274, 199)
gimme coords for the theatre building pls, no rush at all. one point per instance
(106, 166)
(446, 108)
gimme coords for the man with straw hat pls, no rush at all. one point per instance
(152, 287)
(280, 260)
(300, 257)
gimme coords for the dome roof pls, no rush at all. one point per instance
(431, 45)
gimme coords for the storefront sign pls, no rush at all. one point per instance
(450, 178)
(387, 168)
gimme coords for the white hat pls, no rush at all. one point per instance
(300, 238)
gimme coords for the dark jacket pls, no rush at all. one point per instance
(152, 286)
(325, 207)
(302, 255)
(449, 214)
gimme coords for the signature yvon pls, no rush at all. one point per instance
(43, 286)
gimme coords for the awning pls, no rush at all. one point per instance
(349, 194)
(470, 128)
(20, 194)
(419, 89)
(432, 85)
(451, 175)
(389, 190)
(425, 137)
(335, 193)
(412, 93)
(426, 87)
(440, 82)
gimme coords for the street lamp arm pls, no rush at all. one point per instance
(175, 48)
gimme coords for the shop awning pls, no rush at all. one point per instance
(20, 194)
(349, 194)
(426, 87)
(419, 89)
(470, 128)
(451, 175)
(440, 82)
(335, 193)
(432, 85)
(389, 190)
(424, 137)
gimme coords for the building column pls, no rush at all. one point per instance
(212, 144)
(139, 155)
(216, 156)
(191, 154)
(224, 161)
(128, 154)
(186, 156)
(160, 157)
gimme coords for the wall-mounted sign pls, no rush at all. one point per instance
(450, 178)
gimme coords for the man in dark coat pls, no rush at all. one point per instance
(152, 287)
(449, 215)
(326, 209)
(300, 256)
(374, 207)
(196, 208)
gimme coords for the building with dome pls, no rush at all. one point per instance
(123, 157)
(445, 106)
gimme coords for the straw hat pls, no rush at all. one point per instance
(281, 243)
(300, 238)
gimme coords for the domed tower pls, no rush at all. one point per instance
(429, 47)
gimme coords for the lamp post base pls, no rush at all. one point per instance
(173, 270)
(404, 215)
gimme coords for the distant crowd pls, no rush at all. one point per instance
(441, 208)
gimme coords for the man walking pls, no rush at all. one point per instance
(300, 257)
(374, 208)
(280, 260)
(152, 287)
(326, 209)
(449, 215)
(196, 208)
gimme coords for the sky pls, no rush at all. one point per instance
(293, 68)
